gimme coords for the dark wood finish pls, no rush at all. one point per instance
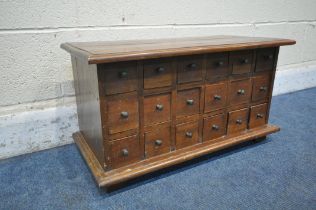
(239, 91)
(265, 59)
(258, 115)
(157, 141)
(124, 151)
(217, 66)
(187, 134)
(158, 73)
(190, 69)
(157, 108)
(261, 87)
(237, 121)
(188, 102)
(214, 127)
(215, 96)
(147, 105)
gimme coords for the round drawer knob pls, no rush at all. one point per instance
(244, 61)
(125, 152)
(160, 69)
(259, 115)
(268, 57)
(159, 107)
(220, 63)
(241, 92)
(239, 121)
(124, 114)
(217, 97)
(215, 127)
(158, 142)
(188, 134)
(190, 102)
(192, 65)
(123, 74)
(263, 88)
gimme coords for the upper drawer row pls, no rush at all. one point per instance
(123, 77)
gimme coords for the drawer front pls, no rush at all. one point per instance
(261, 87)
(265, 59)
(241, 61)
(239, 91)
(157, 109)
(190, 69)
(188, 102)
(187, 134)
(122, 113)
(158, 73)
(215, 96)
(217, 66)
(124, 151)
(157, 142)
(119, 77)
(214, 127)
(258, 115)
(237, 121)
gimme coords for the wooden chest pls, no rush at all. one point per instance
(146, 105)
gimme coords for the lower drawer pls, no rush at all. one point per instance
(258, 115)
(187, 134)
(237, 121)
(214, 127)
(157, 142)
(124, 151)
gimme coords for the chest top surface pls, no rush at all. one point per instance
(114, 51)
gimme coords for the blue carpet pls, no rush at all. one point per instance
(279, 173)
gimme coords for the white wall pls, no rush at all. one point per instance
(37, 108)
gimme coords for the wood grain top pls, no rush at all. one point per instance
(113, 51)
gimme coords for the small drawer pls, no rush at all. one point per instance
(118, 77)
(239, 91)
(190, 69)
(237, 121)
(258, 115)
(260, 87)
(188, 102)
(124, 151)
(215, 96)
(265, 59)
(241, 61)
(214, 127)
(158, 73)
(187, 134)
(217, 66)
(157, 108)
(157, 142)
(122, 113)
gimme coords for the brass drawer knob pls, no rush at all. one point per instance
(125, 152)
(123, 74)
(192, 65)
(217, 97)
(190, 102)
(268, 57)
(220, 63)
(263, 88)
(241, 92)
(189, 134)
(259, 115)
(160, 69)
(159, 107)
(244, 61)
(124, 114)
(215, 127)
(158, 142)
(239, 121)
